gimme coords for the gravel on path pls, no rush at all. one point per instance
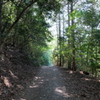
(49, 84)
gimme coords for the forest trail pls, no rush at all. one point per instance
(50, 84)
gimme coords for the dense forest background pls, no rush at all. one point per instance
(24, 27)
(78, 29)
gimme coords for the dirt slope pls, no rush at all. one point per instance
(15, 71)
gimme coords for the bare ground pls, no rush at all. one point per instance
(52, 83)
(15, 71)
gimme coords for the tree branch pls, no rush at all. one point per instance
(0, 17)
(20, 15)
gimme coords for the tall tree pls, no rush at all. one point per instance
(73, 39)
(1, 1)
(68, 10)
(60, 56)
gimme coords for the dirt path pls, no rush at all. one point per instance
(49, 84)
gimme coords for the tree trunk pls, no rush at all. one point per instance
(63, 58)
(1, 42)
(0, 18)
(20, 15)
(73, 41)
(60, 40)
(57, 41)
(68, 9)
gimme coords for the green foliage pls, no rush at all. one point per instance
(82, 36)
(91, 18)
(28, 31)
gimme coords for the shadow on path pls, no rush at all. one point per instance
(47, 85)
(51, 83)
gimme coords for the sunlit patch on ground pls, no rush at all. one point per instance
(38, 81)
(36, 78)
(54, 70)
(12, 74)
(22, 99)
(6, 81)
(70, 72)
(35, 86)
(50, 66)
(20, 86)
(86, 79)
(62, 91)
(45, 67)
(81, 72)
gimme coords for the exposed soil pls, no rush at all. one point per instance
(20, 80)
(15, 71)
(52, 83)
